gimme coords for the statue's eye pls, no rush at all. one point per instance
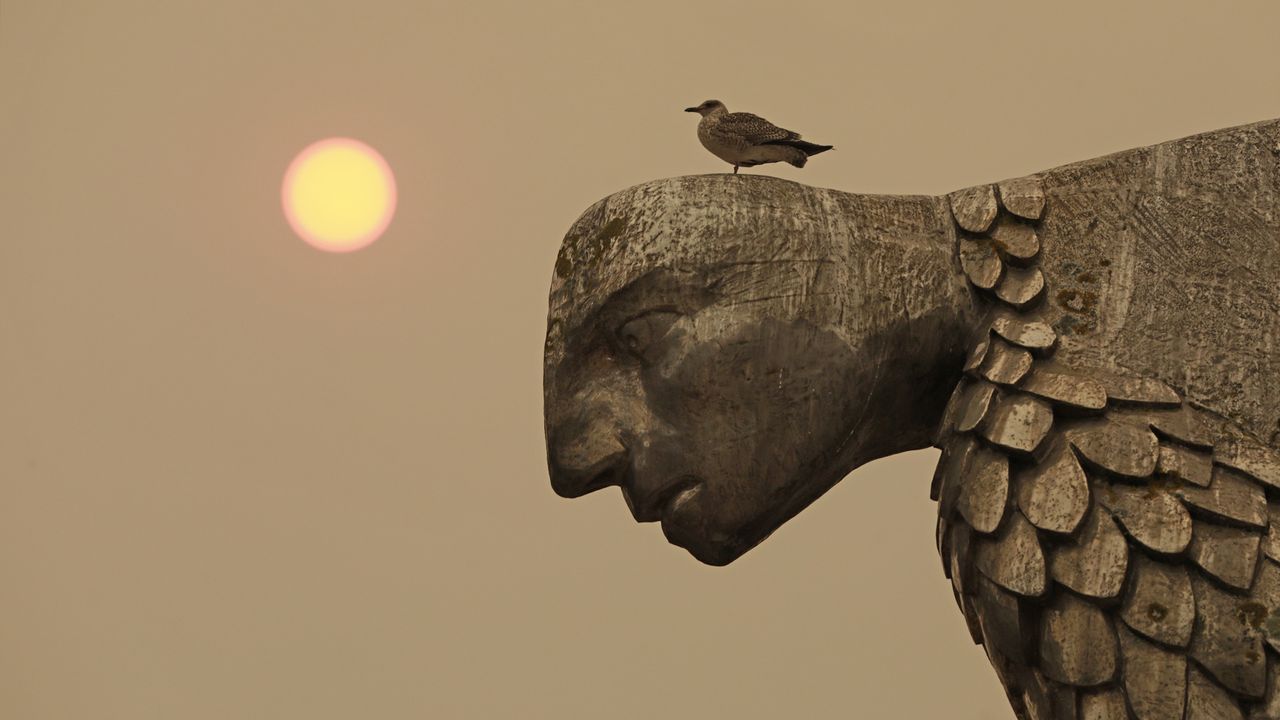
(641, 331)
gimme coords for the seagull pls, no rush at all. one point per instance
(744, 140)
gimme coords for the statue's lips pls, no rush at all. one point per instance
(672, 516)
(683, 497)
(659, 505)
(685, 525)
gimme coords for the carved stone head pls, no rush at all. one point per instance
(725, 349)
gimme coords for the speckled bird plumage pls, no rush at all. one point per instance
(746, 140)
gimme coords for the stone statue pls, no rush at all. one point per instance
(1093, 348)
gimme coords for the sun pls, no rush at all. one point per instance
(339, 194)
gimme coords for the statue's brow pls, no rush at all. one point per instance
(661, 289)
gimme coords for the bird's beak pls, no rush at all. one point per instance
(693, 109)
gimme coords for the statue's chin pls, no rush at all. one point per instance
(692, 521)
(690, 531)
(707, 551)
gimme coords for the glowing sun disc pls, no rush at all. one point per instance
(339, 194)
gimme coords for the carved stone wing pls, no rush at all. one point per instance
(1115, 549)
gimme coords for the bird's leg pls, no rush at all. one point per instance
(735, 168)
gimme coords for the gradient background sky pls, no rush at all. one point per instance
(242, 478)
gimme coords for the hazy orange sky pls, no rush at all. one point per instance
(243, 478)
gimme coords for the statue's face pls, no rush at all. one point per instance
(684, 365)
(701, 356)
(719, 416)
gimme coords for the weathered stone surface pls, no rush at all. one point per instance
(1120, 448)
(977, 355)
(1054, 494)
(1021, 287)
(1229, 498)
(980, 263)
(1224, 643)
(1229, 554)
(1186, 465)
(1151, 516)
(1207, 701)
(985, 490)
(1045, 699)
(974, 208)
(1074, 391)
(940, 542)
(947, 425)
(1015, 239)
(1159, 603)
(1023, 197)
(1029, 334)
(1139, 390)
(1019, 422)
(935, 485)
(1182, 426)
(943, 539)
(952, 471)
(1094, 563)
(1005, 626)
(973, 407)
(1064, 700)
(959, 554)
(1271, 543)
(1107, 704)
(1004, 364)
(1263, 609)
(1012, 675)
(1077, 642)
(1013, 560)
(1269, 708)
(1155, 679)
(971, 621)
(1258, 461)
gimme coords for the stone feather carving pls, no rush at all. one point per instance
(1127, 560)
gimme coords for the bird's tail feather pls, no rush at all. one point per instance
(807, 148)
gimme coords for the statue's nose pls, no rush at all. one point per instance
(583, 459)
(592, 412)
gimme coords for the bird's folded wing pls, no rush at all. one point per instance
(754, 129)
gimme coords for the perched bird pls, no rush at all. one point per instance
(744, 140)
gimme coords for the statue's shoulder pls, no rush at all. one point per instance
(1158, 261)
(1112, 542)
(1236, 163)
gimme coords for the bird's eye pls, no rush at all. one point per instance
(642, 331)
